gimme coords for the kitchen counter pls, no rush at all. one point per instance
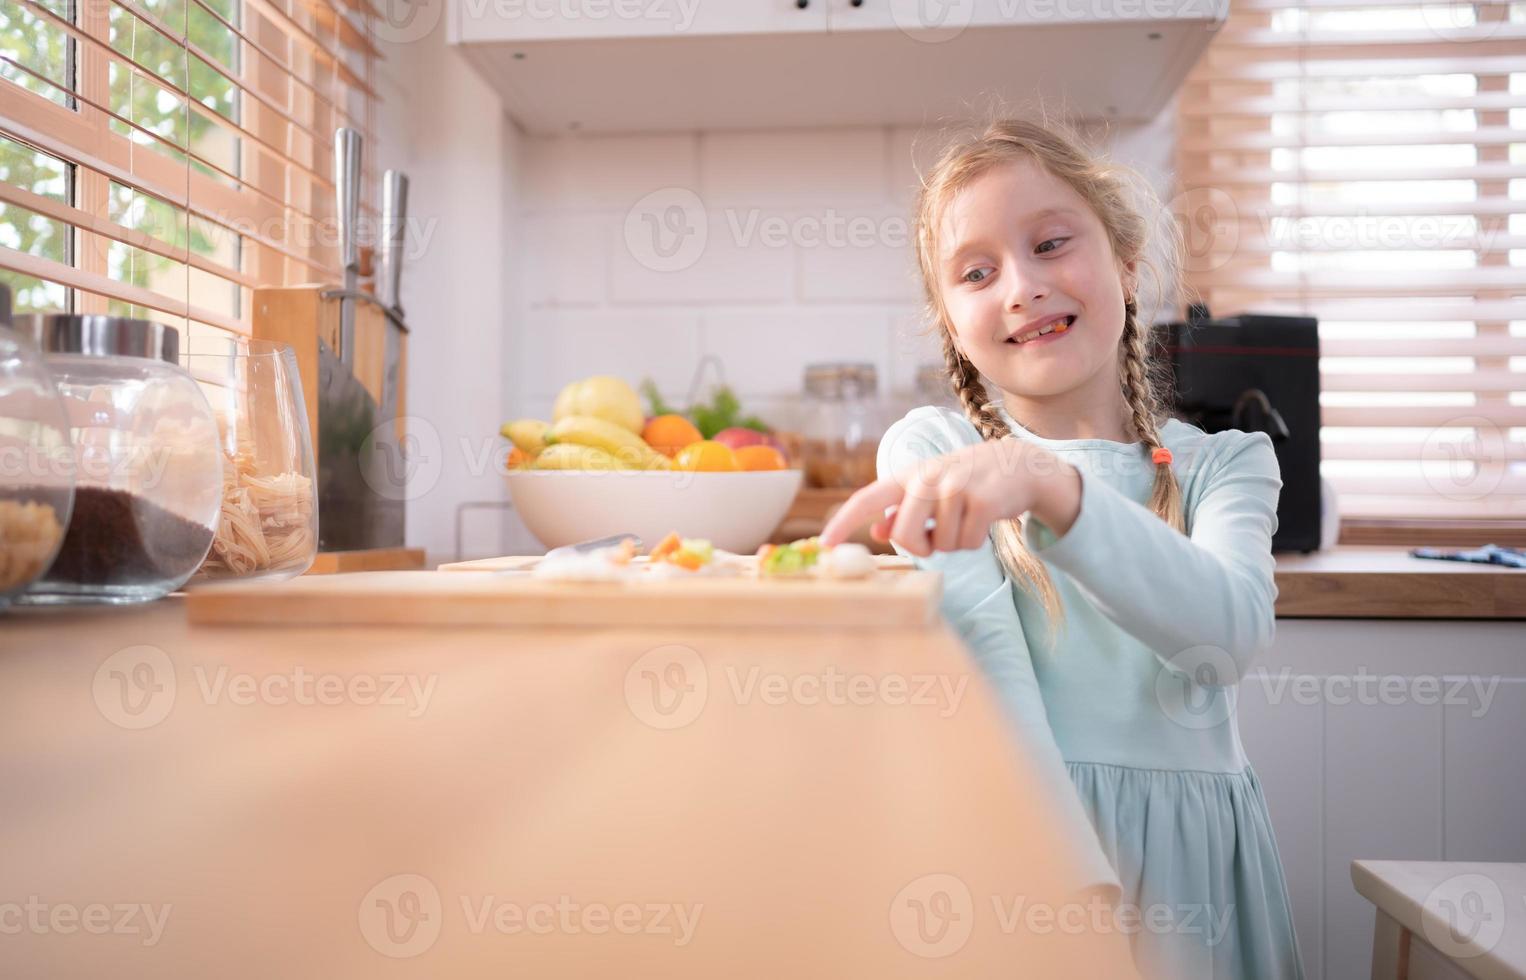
(1387, 583)
(258, 802)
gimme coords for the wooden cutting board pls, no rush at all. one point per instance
(888, 600)
(508, 563)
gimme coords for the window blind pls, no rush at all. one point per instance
(1364, 162)
(161, 158)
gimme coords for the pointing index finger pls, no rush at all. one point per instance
(866, 506)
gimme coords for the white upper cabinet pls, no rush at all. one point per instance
(645, 65)
(608, 20)
(936, 21)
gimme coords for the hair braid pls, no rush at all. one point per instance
(1139, 390)
(1006, 535)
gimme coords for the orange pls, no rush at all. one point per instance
(760, 458)
(669, 433)
(706, 456)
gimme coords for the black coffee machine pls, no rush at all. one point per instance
(1256, 373)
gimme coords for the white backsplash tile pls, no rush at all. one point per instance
(580, 173)
(565, 345)
(826, 166)
(765, 350)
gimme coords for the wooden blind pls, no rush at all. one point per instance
(1364, 161)
(159, 158)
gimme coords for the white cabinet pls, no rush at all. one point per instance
(479, 21)
(935, 21)
(644, 65)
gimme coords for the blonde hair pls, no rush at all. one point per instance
(1121, 199)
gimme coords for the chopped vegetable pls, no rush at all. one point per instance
(795, 558)
(690, 553)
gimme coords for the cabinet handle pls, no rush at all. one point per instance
(802, 4)
(855, 3)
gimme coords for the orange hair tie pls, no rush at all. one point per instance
(1161, 455)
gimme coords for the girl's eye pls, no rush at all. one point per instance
(983, 277)
(1051, 241)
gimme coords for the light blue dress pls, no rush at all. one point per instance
(1130, 714)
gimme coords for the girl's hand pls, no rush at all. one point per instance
(949, 502)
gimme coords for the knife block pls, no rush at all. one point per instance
(301, 316)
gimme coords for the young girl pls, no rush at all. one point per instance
(1110, 568)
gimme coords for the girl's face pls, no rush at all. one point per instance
(1019, 247)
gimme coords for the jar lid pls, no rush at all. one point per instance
(835, 379)
(101, 336)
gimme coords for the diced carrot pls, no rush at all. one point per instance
(665, 547)
(687, 559)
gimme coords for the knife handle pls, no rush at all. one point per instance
(347, 145)
(394, 223)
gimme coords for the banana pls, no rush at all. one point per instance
(528, 434)
(616, 440)
(571, 456)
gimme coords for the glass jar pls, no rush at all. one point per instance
(148, 469)
(269, 521)
(36, 461)
(842, 425)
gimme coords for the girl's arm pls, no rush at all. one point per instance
(1185, 597)
(978, 602)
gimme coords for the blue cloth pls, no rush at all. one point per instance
(1129, 714)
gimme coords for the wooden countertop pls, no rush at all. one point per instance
(1387, 583)
(1472, 912)
(404, 801)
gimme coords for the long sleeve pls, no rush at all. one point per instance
(978, 602)
(1212, 589)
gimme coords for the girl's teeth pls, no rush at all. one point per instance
(1060, 325)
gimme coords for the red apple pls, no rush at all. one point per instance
(737, 437)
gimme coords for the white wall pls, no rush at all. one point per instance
(442, 125)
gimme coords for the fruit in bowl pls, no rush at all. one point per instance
(738, 511)
(601, 468)
(602, 397)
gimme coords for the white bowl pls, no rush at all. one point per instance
(735, 511)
